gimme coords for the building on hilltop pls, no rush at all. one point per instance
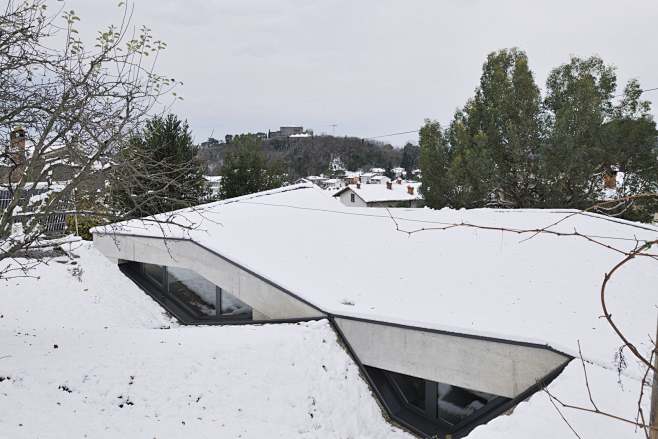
(289, 131)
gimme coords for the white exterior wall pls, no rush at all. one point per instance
(345, 198)
(504, 369)
(267, 300)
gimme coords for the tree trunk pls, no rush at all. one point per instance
(654, 392)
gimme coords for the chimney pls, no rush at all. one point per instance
(358, 185)
(399, 180)
(389, 185)
(410, 190)
(17, 144)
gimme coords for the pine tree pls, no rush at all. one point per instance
(435, 158)
(159, 171)
(246, 169)
(410, 157)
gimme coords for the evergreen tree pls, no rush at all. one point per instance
(435, 158)
(410, 157)
(388, 171)
(246, 169)
(578, 103)
(497, 136)
(592, 138)
(507, 147)
(159, 171)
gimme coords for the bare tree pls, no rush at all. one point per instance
(65, 104)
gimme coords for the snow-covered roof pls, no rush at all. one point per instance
(481, 281)
(371, 193)
(485, 282)
(352, 174)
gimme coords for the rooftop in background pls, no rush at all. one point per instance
(373, 193)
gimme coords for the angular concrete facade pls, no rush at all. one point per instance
(498, 367)
(486, 365)
(268, 300)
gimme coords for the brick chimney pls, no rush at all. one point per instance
(410, 190)
(358, 185)
(389, 185)
(17, 145)
(399, 180)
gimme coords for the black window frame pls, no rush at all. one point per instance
(159, 290)
(409, 414)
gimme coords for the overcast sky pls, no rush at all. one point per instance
(372, 67)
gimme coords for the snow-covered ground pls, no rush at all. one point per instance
(85, 354)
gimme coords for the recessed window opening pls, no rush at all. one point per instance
(435, 408)
(199, 297)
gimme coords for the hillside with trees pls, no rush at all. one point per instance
(303, 156)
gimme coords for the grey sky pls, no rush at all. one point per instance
(371, 66)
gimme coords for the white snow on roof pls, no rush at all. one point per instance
(466, 280)
(537, 418)
(87, 354)
(379, 192)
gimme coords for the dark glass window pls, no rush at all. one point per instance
(411, 388)
(432, 407)
(193, 294)
(455, 404)
(194, 290)
(352, 198)
(155, 273)
(232, 306)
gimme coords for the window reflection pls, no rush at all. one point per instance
(154, 272)
(456, 403)
(195, 293)
(451, 407)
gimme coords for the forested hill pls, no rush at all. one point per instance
(303, 156)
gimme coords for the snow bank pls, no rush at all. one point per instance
(85, 353)
(84, 291)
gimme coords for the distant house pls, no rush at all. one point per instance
(213, 183)
(316, 179)
(56, 166)
(210, 143)
(379, 179)
(390, 194)
(365, 177)
(399, 172)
